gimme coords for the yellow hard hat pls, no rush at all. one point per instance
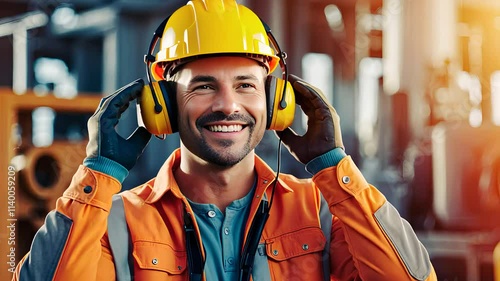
(205, 27)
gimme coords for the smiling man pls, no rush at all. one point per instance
(222, 108)
(216, 211)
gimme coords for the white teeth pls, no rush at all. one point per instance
(223, 128)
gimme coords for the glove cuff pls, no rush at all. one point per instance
(107, 166)
(329, 159)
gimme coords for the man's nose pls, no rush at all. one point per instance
(226, 101)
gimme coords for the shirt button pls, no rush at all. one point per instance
(346, 179)
(211, 214)
(154, 261)
(230, 261)
(305, 247)
(226, 231)
(275, 252)
(87, 189)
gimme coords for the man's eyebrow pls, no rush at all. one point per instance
(246, 77)
(211, 79)
(202, 78)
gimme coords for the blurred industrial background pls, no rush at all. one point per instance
(415, 82)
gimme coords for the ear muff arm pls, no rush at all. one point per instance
(282, 55)
(149, 58)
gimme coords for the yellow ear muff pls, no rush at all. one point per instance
(280, 112)
(157, 123)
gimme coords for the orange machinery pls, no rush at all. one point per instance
(22, 194)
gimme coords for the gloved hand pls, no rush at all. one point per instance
(323, 125)
(104, 141)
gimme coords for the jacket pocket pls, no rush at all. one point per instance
(157, 260)
(297, 255)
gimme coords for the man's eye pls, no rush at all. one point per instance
(203, 87)
(246, 85)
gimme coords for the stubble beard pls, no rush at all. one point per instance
(223, 152)
(225, 155)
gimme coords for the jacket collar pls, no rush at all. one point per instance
(165, 181)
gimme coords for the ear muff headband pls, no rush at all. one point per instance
(282, 55)
(160, 119)
(149, 58)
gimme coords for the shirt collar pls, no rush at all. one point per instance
(165, 180)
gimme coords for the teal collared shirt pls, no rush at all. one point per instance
(222, 236)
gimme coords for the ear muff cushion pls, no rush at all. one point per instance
(271, 96)
(168, 94)
(279, 118)
(165, 121)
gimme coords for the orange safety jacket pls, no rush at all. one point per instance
(334, 226)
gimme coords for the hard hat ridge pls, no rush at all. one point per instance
(217, 5)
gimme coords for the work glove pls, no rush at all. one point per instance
(105, 142)
(323, 125)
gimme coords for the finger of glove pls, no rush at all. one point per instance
(314, 104)
(116, 104)
(103, 102)
(295, 144)
(131, 148)
(120, 100)
(94, 126)
(311, 100)
(139, 139)
(101, 125)
(288, 135)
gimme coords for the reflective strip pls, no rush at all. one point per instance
(46, 249)
(326, 226)
(401, 235)
(119, 240)
(261, 269)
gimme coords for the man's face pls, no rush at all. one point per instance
(222, 108)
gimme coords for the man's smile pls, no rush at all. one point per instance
(225, 128)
